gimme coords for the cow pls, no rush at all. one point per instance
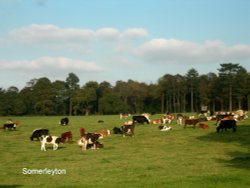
(96, 145)
(67, 136)
(140, 119)
(10, 126)
(117, 130)
(203, 126)
(226, 124)
(89, 139)
(191, 122)
(47, 139)
(164, 128)
(37, 133)
(103, 133)
(128, 130)
(179, 119)
(64, 121)
(82, 132)
(124, 115)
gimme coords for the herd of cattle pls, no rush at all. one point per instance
(89, 140)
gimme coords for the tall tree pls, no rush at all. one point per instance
(71, 86)
(227, 74)
(192, 82)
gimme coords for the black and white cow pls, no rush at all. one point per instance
(64, 121)
(140, 119)
(10, 126)
(37, 133)
(47, 139)
(226, 124)
(117, 130)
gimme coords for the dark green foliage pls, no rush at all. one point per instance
(229, 90)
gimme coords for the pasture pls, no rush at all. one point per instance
(189, 158)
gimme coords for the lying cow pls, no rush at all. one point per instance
(226, 124)
(37, 133)
(140, 119)
(47, 139)
(103, 133)
(164, 128)
(89, 139)
(117, 130)
(67, 136)
(64, 121)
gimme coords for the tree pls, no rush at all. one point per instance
(227, 74)
(71, 86)
(192, 81)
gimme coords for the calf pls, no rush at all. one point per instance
(89, 138)
(140, 119)
(64, 121)
(37, 133)
(226, 124)
(191, 122)
(47, 139)
(67, 136)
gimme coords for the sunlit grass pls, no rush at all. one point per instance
(179, 158)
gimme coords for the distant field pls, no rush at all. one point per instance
(190, 158)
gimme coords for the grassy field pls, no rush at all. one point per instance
(190, 158)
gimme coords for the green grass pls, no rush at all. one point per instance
(188, 157)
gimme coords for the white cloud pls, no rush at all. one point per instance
(135, 33)
(50, 33)
(48, 63)
(173, 50)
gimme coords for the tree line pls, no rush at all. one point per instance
(226, 91)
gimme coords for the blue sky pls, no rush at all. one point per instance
(111, 40)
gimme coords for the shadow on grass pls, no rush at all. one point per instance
(10, 186)
(242, 137)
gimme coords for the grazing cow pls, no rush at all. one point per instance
(128, 130)
(117, 130)
(158, 121)
(10, 126)
(226, 124)
(37, 133)
(47, 139)
(124, 115)
(67, 136)
(203, 126)
(168, 118)
(103, 133)
(191, 122)
(64, 121)
(140, 119)
(164, 128)
(89, 138)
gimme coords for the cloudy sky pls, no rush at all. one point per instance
(110, 40)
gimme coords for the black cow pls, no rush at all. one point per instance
(10, 126)
(226, 124)
(64, 121)
(140, 119)
(117, 130)
(37, 133)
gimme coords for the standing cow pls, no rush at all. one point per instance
(226, 124)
